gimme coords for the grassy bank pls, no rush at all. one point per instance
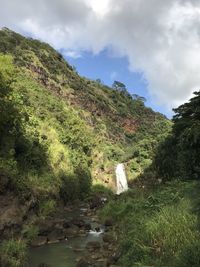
(159, 227)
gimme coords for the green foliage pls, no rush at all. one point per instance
(99, 188)
(119, 86)
(13, 253)
(35, 148)
(85, 181)
(10, 120)
(58, 120)
(77, 184)
(190, 255)
(20, 148)
(30, 232)
(172, 230)
(156, 228)
(47, 207)
(69, 188)
(178, 156)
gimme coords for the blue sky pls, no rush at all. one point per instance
(109, 68)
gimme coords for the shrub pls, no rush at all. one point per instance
(69, 188)
(99, 188)
(85, 181)
(47, 207)
(30, 232)
(13, 253)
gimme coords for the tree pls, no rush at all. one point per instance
(119, 86)
(179, 155)
(187, 132)
(137, 97)
(99, 81)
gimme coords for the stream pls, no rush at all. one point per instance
(68, 252)
(90, 244)
(62, 254)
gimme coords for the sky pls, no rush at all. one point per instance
(153, 46)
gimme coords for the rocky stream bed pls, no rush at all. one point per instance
(75, 237)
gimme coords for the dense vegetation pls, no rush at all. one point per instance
(159, 225)
(61, 133)
(178, 155)
(63, 128)
(38, 153)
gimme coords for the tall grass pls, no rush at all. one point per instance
(158, 228)
(13, 253)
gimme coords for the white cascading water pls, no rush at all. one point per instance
(121, 179)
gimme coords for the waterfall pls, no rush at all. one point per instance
(121, 180)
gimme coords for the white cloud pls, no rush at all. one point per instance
(99, 7)
(160, 38)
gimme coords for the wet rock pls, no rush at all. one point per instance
(78, 222)
(88, 227)
(59, 224)
(105, 246)
(71, 232)
(81, 233)
(116, 256)
(108, 238)
(95, 257)
(45, 228)
(39, 241)
(78, 249)
(56, 236)
(97, 229)
(108, 222)
(66, 224)
(95, 202)
(93, 245)
(100, 263)
(113, 259)
(95, 219)
(82, 263)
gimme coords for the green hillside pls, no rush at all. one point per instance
(70, 128)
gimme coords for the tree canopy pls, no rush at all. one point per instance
(179, 154)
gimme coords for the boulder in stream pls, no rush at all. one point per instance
(78, 222)
(66, 224)
(39, 241)
(56, 236)
(93, 245)
(88, 227)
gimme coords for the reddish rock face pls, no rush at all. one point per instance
(129, 125)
